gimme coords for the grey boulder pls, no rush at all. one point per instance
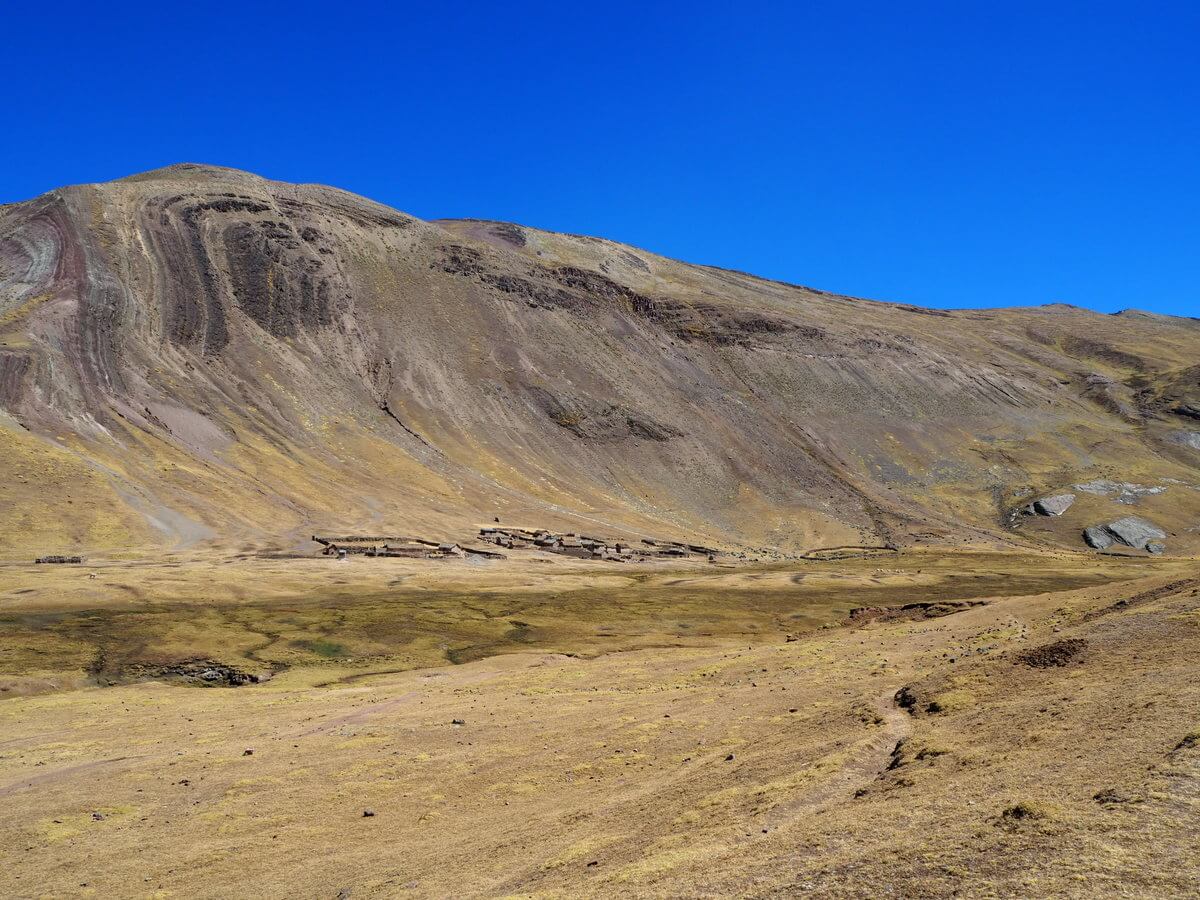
(1097, 537)
(1053, 506)
(1134, 532)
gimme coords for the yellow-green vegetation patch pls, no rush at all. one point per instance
(578, 851)
(661, 862)
(323, 648)
(256, 782)
(22, 308)
(67, 825)
(26, 649)
(952, 701)
(39, 477)
(1024, 811)
(780, 790)
(721, 798)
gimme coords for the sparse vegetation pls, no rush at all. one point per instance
(872, 694)
(1028, 811)
(326, 649)
(951, 701)
(1189, 740)
(581, 756)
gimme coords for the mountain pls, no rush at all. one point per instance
(200, 356)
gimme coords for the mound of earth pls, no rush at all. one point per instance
(1058, 653)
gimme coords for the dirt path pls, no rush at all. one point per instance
(868, 760)
(456, 677)
(54, 776)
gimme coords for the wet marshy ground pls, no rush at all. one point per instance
(183, 623)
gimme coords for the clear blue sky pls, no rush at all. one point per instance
(949, 154)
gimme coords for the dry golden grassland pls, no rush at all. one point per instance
(606, 731)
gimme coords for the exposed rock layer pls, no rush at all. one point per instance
(200, 354)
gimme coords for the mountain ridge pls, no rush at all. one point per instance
(190, 169)
(216, 357)
(207, 169)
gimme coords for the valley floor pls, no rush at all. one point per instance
(675, 733)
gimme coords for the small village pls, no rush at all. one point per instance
(400, 547)
(582, 546)
(571, 544)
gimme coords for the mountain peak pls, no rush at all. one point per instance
(193, 172)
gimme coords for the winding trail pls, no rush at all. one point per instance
(869, 759)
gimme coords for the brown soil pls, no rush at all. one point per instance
(1059, 653)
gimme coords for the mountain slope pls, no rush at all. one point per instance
(198, 354)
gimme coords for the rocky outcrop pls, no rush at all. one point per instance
(1129, 530)
(595, 421)
(1123, 491)
(1112, 396)
(1097, 537)
(1134, 532)
(1053, 506)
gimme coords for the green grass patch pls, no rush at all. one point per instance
(324, 649)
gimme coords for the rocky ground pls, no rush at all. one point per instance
(1029, 742)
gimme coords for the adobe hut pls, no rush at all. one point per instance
(483, 554)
